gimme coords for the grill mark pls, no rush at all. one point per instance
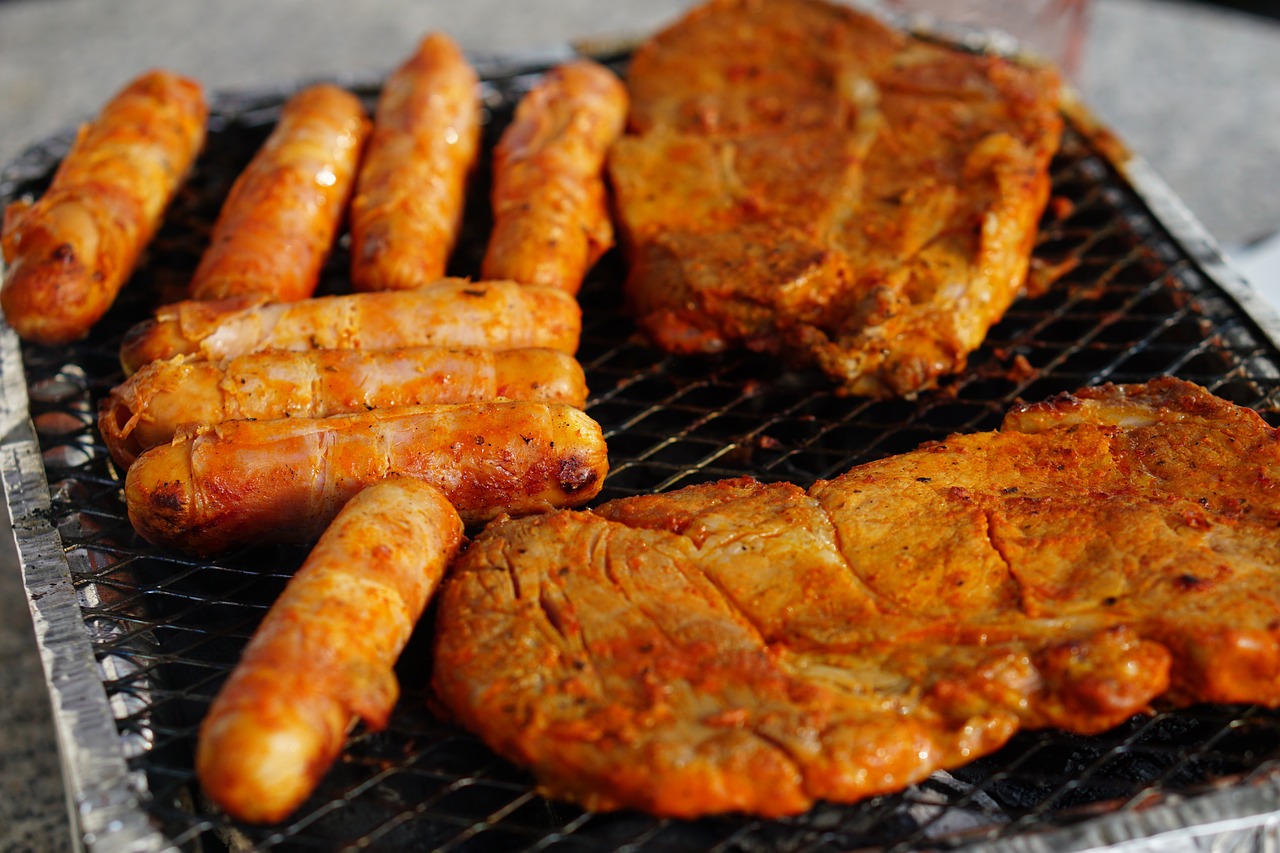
(167, 503)
(881, 603)
(577, 664)
(696, 579)
(506, 565)
(795, 762)
(550, 611)
(576, 472)
(594, 551)
(725, 596)
(727, 600)
(1005, 560)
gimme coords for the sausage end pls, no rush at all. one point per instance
(159, 493)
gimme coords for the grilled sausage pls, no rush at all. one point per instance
(69, 253)
(278, 222)
(551, 217)
(324, 653)
(409, 197)
(149, 407)
(241, 482)
(450, 313)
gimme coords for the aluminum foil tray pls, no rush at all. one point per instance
(136, 640)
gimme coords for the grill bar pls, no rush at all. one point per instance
(137, 641)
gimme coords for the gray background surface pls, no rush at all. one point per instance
(1193, 89)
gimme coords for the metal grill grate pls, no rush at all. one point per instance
(166, 630)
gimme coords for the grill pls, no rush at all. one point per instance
(1138, 292)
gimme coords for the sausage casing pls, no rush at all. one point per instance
(278, 223)
(551, 215)
(149, 407)
(449, 313)
(325, 651)
(243, 482)
(409, 197)
(68, 254)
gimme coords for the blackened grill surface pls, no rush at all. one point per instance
(1129, 305)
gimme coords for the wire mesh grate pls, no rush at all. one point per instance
(1125, 304)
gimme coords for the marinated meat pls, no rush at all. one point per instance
(324, 653)
(278, 222)
(68, 255)
(407, 210)
(154, 404)
(221, 486)
(452, 312)
(800, 178)
(550, 207)
(740, 646)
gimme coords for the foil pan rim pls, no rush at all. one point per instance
(103, 796)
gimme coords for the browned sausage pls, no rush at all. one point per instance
(69, 254)
(409, 197)
(241, 482)
(450, 313)
(149, 407)
(279, 220)
(551, 217)
(324, 652)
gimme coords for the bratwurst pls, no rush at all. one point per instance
(407, 210)
(241, 482)
(324, 652)
(69, 253)
(452, 312)
(150, 406)
(279, 221)
(550, 208)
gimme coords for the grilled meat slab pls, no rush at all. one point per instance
(740, 646)
(800, 178)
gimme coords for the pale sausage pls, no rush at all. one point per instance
(408, 206)
(241, 482)
(550, 210)
(149, 407)
(449, 313)
(68, 254)
(278, 223)
(324, 653)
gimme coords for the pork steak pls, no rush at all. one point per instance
(741, 646)
(800, 178)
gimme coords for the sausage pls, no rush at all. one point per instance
(149, 407)
(449, 313)
(242, 482)
(324, 653)
(278, 222)
(551, 216)
(69, 253)
(408, 205)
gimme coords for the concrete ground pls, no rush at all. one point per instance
(1193, 89)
